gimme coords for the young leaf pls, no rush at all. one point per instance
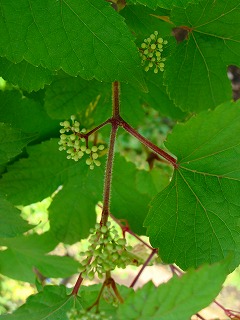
(51, 304)
(179, 299)
(27, 252)
(196, 72)
(196, 218)
(25, 75)
(12, 141)
(73, 36)
(11, 222)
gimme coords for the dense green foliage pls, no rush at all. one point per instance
(181, 188)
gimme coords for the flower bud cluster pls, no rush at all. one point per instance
(108, 251)
(151, 52)
(87, 315)
(74, 142)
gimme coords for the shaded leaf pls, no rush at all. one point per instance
(195, 219)
(180, 298)
(53, 303)
(68, 95)
(11, 222)
(28, 252)
(72, 211)
(12, 141)
(26, 114)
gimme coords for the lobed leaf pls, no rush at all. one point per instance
(195, 220)
(73, 36)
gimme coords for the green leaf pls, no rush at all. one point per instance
(26, 114)
(196, 72)
(158, 99)
(153, 181)
(12, 141)
(126, 202)
(53, 303)
(11, 222)
(27, 252)
(179, 299)
(196, 218)
(25, 75)
(70, 219)
(167, 4)
(46, 38)
(143, 21)
(72, 213)
(68, 95)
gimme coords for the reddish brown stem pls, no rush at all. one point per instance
(149, 144)
(154, 251)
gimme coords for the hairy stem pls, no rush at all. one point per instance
(148, 143)
(110, 156)
(79, 282)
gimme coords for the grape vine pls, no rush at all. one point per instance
(119, 154)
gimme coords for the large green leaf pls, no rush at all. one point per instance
(196, 218)
(27, 252)
(25, 75)
(12, 141)
(86, 37)
(179, 299)
(11, 222)
(196, 72)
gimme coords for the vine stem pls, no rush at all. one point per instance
(148, 143)
(110, 157)
(79, 282)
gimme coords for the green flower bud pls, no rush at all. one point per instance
(94, 156)
(89, 161)
(101, 147)
(153, 46)
(66, 124)
(94, 149)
